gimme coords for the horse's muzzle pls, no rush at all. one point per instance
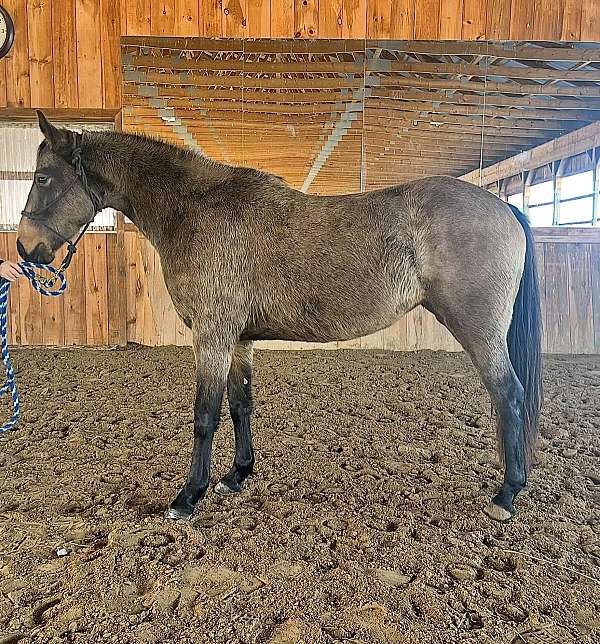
(41, 253)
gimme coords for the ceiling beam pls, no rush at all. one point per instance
(569, 145)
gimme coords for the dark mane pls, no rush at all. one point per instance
(164, 153)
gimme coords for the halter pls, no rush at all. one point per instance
(80, 176)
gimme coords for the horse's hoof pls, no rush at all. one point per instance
(176, 514)
(223, 488)
(497, 512)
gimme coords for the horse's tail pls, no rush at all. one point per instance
(525, 340)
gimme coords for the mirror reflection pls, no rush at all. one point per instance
(337, 116)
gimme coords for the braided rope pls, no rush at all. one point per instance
(45, 286)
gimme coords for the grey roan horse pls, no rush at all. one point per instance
(245, 257)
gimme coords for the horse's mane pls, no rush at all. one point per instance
(152, 147)
(152, 144)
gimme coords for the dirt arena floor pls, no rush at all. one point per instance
(362, 523)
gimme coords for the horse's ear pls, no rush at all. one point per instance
(57, 138)
(48, 130)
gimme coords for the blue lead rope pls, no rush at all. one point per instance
(45, 286)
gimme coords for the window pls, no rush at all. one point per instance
(576, 206)
(18, 149)
(516, 200)
(541, 204)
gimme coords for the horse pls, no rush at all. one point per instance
(246, 257)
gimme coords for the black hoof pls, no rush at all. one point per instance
(227, 487)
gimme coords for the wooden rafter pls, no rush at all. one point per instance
(335, 116)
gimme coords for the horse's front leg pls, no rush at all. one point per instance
(239, 392)
(212, 366)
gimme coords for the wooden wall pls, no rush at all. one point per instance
(116, 294)
(66, 52)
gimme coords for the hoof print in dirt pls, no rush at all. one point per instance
(497, 513)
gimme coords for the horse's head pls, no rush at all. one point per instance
(60, 203)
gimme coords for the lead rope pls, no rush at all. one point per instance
(45, 286)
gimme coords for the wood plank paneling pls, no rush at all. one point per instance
(475, 20)
(13, 295)
(306, 18)
(64, 54)
(131, 287)
(595, 270)
(138, 17)
(342, 19)
(89, 53)
(3, 82)
(187, 18)
(30, 314)
(282, 19)
(147, 332)
(539, 255)
(117, 287)
(427, 19)
(557, 298)
(210, 18)
(52, 319)
(581, 321)
(162, 17)
(379, 19)
(354, 18)
(571, 24)
(14, 312)
(451, 16)
(590, 20)
(522, 20)
(259, 18)
(96, 275)
(498, 19)
(331, 19)
(17, 61)
(111, 60)
(548, 20)
(235, 18)
(75, 300)
(402, 19)
(41, 74)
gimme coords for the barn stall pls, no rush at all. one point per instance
(375, 456)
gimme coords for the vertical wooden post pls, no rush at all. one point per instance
(557, 167)
(595, 184)
(526, 186)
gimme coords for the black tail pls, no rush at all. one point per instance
(525, 340)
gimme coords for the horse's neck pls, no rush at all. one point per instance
(145, 188)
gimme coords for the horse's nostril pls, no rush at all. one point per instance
(21, 250)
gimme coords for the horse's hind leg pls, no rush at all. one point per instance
(239, 392)
(484, 339)
(507, 396)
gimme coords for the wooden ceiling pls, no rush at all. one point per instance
(334, 116)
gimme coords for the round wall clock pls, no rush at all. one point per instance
(7, 32)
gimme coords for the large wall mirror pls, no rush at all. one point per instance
(334, 116)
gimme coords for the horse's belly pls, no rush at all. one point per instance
(325, 327)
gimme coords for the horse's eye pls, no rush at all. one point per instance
(42, 180)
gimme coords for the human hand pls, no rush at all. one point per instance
(10, 271)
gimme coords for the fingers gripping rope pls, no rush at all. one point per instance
(45, 286)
